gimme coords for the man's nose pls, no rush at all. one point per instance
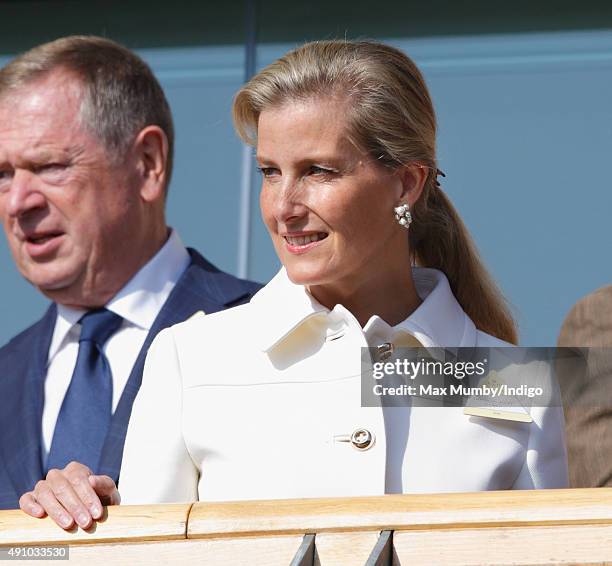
(23, 196)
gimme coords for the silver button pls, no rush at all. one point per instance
(384, 351)
(362, 439)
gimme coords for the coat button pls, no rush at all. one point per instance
(362, 439)
(384, 351)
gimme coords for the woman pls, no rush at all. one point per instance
(263, 401)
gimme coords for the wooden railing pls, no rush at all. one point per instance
(510, 527)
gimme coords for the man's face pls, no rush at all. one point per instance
(68, 212)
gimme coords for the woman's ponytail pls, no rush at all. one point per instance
(439, 239)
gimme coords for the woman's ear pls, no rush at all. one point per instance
(151, 148)
(413, 177)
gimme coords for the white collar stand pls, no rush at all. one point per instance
(438, 322)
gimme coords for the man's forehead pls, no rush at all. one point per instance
(41, 113)
(56, 86)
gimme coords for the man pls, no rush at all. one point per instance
(86, 147)
(587, 394)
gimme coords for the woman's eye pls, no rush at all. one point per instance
(317, 170)
(268, 171)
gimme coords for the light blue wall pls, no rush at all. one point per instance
(203, 201)
(525, 133)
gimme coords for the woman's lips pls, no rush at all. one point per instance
(301, 243)
(41, 245)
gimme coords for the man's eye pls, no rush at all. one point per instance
(54, 172)
(51, 167)
(268, 171)
(5, 180)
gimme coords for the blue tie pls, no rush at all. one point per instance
(85, 416)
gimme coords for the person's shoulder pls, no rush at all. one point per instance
(28, 337)
(221, 283)
(241, 328)
(599, 299)
(227, 280)
(489, 341)
(217, 326)
(208, 345)
(589, 321)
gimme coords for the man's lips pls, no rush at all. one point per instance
(40, 244)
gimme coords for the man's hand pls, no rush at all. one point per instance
(69, 495)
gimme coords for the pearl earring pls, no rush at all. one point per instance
(402, 215)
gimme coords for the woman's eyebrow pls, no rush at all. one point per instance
(261, 159)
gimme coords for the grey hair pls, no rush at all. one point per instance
(121, 96)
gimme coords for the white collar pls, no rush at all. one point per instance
(284, 306)
(439, 321)
(141, 298)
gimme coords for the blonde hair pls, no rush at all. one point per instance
(390, 116)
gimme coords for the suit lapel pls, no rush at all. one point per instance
(201, 287)
(23, 395)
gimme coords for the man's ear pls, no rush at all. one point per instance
(412, 177)
(151, 152)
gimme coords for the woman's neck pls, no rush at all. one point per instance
(393, 297)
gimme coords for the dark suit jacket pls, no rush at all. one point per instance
(587, 394)
(23, 368)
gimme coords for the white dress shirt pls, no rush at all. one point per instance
(269, 414)
(138, 303)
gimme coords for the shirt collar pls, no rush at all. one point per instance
(141, 298)
(284, 306)
(439, 321)
(67, 317)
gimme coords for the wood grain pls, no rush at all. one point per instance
(121, 523)
(270, 551)
(510, 527)
(391, 512)
(571, 544)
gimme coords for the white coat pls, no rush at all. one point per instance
(257, 402)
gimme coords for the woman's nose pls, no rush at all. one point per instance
(289, 201)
